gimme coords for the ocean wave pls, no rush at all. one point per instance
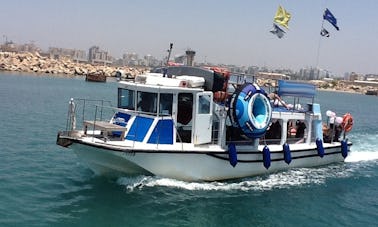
(297, 177)
(364, 142)
(359, 156)
(365, 147)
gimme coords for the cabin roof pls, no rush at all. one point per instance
(296, 89)
(156, 88)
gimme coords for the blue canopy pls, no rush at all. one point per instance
(296, 89)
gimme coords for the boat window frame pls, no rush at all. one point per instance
(204, 104)
(182, 98)
(165, 104)
(147, 104)
(130, 99)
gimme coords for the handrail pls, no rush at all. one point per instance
(100, 108)
(84, 104)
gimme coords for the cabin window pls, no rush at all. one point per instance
(147, 102)
(184, 108)
(274, 132)
(126, 99)
(166, 101)
(204, 104)
(184, 117)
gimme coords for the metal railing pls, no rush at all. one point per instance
(102, 110)
(83, 107)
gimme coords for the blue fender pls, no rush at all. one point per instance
(319, 147)
(232, 154)
(266, 157)
(287, 154)
(344, 148)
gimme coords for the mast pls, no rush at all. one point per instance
(165, 69)
(169, 53)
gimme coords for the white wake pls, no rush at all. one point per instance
(286, 179)
(364, 153)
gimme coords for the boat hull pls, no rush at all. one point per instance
(197, 165)
(95, 77)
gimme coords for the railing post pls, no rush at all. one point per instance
(102, 106)
(94, 122)
(83, 110)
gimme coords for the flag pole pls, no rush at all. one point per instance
(318, 51)
(320, 36)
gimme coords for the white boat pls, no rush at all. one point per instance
(175, 126)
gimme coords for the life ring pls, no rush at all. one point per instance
(250, 110)
(347, 123)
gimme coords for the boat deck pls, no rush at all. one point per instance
(105, 127)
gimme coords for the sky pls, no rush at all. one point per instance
(220, 31)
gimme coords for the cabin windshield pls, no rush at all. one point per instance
(165, 107)
(126, 99)
(147, 102)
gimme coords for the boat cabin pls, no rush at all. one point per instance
(179, 111)
(299, 121)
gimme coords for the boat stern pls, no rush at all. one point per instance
(65, 138)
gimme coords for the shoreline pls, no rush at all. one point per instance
(35, 63)
(27, 62)
(339, 91)
(349, 87)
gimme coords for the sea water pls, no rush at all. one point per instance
(43, 184)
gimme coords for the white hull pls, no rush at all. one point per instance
(197, 166)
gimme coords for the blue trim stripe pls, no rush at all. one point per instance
(162, 133)
(125, 117)
(139, 129)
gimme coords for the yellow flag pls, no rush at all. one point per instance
(282, 17)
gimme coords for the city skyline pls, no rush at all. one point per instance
(221, 32)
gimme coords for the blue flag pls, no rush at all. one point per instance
(328, 16)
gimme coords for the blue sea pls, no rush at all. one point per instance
(43, 184)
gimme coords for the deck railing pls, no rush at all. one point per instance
(97, 111)
(84, 107)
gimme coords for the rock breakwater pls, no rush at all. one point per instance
(34, 62)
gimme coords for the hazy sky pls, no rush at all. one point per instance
(220, 31)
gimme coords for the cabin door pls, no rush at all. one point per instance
(203, 118)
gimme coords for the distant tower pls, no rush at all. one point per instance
(92, 53)
(190, 57)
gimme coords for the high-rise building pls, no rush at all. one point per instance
(73, 54)
(97, 56)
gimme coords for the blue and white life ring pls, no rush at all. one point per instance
(250, 110)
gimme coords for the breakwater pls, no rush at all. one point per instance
(34, 62)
